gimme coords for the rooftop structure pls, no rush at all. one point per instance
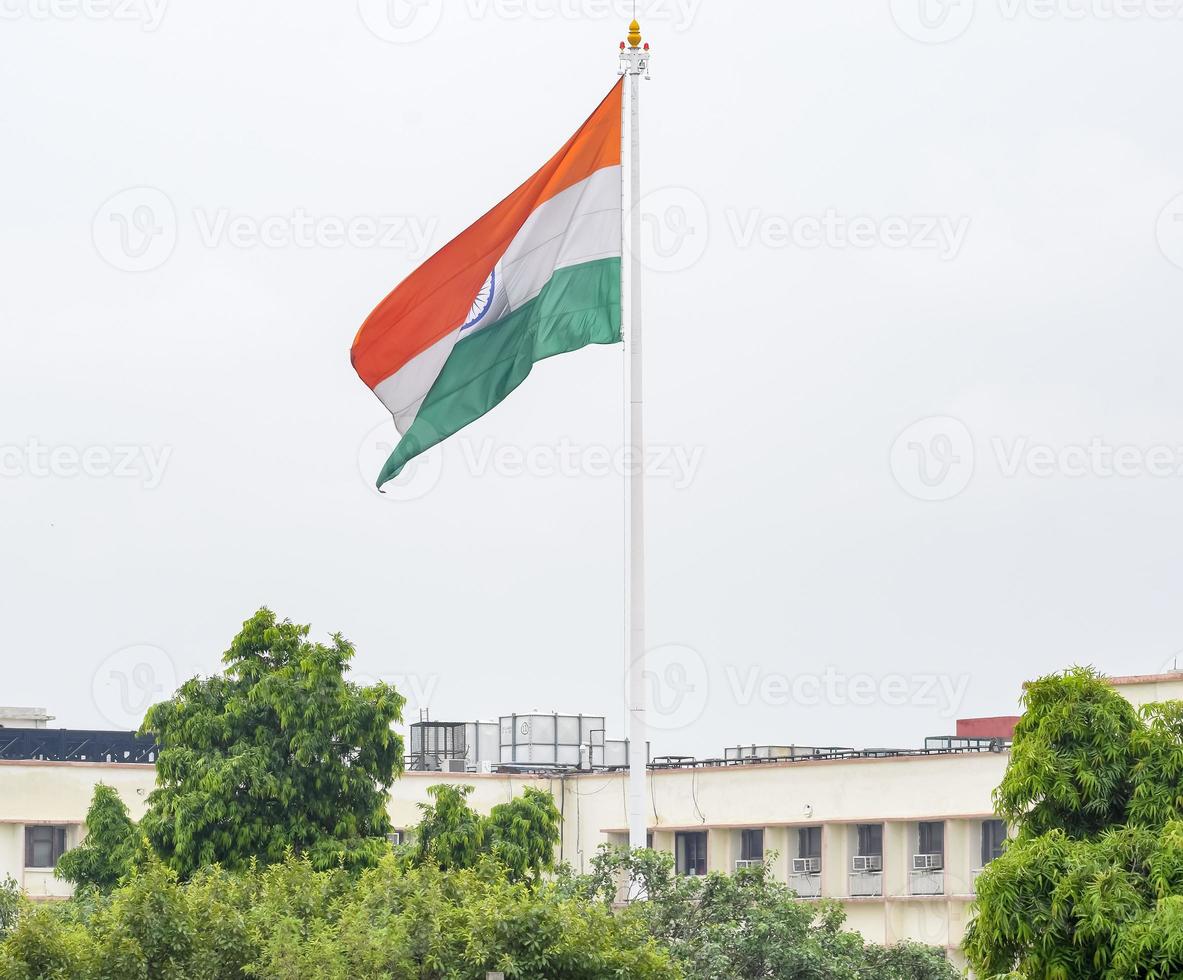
(24, 717)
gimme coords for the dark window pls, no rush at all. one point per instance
(649, 840)
(690, 851)
(932, 838)
(809, 842)
(993, 838)
(870, 840)
(751, 845)
(43, 846)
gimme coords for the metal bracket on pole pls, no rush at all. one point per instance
(634, 60)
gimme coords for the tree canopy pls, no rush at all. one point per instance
(111, 848)
(11, 898)
(278, 752)
(521, 834)
(1092, 884)
(747, 926)
(289, 921)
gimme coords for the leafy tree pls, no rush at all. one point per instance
(111, 848)
(524, 832)
(289, 921)
(1092, 884)
(450, 833)
(279, 752)
(11, 900)
(521, 834)
(748, 926)
(44, 946)
(1071, 763)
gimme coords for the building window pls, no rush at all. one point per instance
(870, 840)
(993, 839)
(43, 846)
(690, 853)
(809, 842)
(866, 867)
(751, 845)
(928, 863)
(932, 838)
(807, 865)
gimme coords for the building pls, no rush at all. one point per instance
(897, 836)
(24, 718)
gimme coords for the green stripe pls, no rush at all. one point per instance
(580, 305)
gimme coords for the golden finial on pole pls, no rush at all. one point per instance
(634, 60)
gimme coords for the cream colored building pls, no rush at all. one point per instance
(24, 718)
(899, 839)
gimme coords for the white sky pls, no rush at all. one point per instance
(1014, 270)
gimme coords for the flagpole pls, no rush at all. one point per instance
(634, 65)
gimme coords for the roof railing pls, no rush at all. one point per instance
(74, 745)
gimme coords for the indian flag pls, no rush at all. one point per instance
(538, 275)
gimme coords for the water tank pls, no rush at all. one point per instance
(482, 743)
(547, 739)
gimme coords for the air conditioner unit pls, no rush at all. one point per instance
(867, 862)
(748, 863)
(454, 765)
(485, 767)
(807, 866)
(928, 862)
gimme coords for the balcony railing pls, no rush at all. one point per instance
(806, 885)
(929, 882)
(866, 884)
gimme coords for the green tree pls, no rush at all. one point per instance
(524, 832)
(289, 921)
(11, 901)
(278, 752)
(747, 926)
(521, 834)
(44, 945)
(1092, 884)
(450, 833)
(111, 848)
(1071, 764)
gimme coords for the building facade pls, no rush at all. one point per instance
(897, 838)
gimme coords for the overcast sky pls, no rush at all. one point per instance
(913, 304)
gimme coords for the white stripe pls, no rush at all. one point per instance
(403, 392)
(580, 224)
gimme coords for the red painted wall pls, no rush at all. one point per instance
(987, 727)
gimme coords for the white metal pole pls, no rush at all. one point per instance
(636, 63)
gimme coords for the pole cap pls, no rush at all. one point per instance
(634, 34)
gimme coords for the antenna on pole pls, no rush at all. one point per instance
(634, 63)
